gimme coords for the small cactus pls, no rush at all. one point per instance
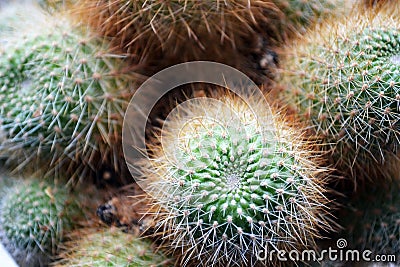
(63, 97)
(229, 185)
(110, 247)
(34, 216)
(342, 79)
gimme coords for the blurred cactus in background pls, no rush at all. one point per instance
(63, 96)
(102, 247)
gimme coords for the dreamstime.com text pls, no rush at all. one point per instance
(340, 253)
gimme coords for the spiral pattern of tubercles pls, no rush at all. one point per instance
(237, 189)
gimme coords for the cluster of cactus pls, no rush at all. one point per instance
(110, 247)
(34, 215)
(227, 179)
(344, 81)
(62, 99)
(231, 184)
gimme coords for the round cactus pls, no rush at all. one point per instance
(159, 24)
(230, 184)
(63, 97)
(343, 80)
(174, 22)
(110, 247)
(33, 218)
(239, 33)
(164, 33)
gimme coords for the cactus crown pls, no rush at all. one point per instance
(344, 80)
(62, 95)
(228, 178)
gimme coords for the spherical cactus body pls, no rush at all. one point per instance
(343, 80)
(62, 99)
(230, 184)
(239, 33)
(110, 247)
(176, 22)
(34, 217)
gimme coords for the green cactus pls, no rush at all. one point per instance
(343, 80)
(63, 97)
(229, 185)
(110, 247)
(34, 217)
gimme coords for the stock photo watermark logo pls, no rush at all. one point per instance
(340, 253)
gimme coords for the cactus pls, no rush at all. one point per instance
(164, 33)
(343, 81)
(228, 184)
(63, 97)
(54, 6)
(238, 33)
(168, 25)
(174, 22)
(110, 247)
(34, 216)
